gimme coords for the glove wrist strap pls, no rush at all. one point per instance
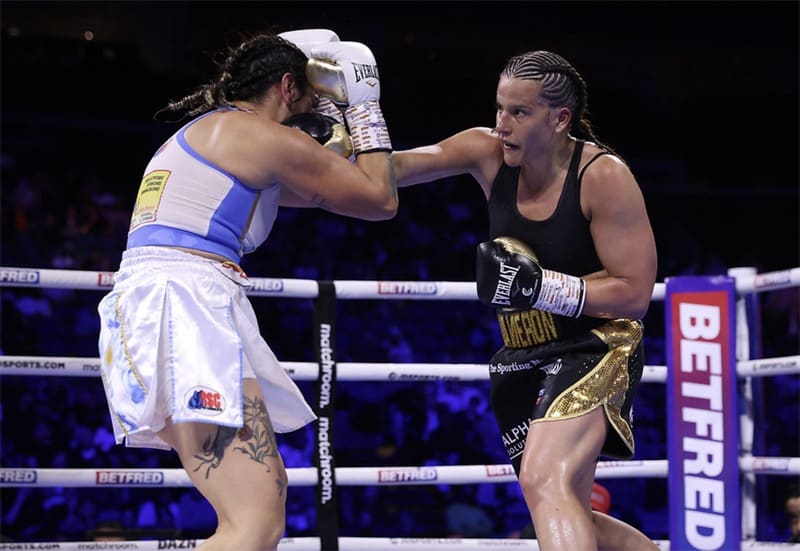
(561, 294)
(367, 127)
(327, 107)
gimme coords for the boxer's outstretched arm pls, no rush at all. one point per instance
(475, 151)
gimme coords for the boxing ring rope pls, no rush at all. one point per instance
(345, 476)
(746, 282)
(371, 371)
(363, 476)
(349, 289)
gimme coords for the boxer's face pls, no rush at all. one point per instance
(299, 96)
(524, 121)
(306, 102)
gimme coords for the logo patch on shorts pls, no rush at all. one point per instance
(552, 368)
(205, 400)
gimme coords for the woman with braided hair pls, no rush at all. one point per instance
(183, 363)
(570, 268)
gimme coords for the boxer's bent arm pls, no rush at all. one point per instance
(312, 176)
(624, 241)
(290, 198)
(475, 151)
(262, 153)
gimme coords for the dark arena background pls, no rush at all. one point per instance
(701, 98)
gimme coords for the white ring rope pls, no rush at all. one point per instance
(348, 289)
(360, 476)
(372, 371)
(306, 476)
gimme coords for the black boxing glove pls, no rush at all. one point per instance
(325, 129)
(509, 276)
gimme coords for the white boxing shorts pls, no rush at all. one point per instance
(177, 336)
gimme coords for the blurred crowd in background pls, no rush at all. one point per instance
(58, 219)
(69, 178)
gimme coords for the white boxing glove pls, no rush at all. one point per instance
(305, 39)
(347, 73)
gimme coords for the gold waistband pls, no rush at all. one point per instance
(524, 328)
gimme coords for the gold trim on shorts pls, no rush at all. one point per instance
(124, 338)
(607, 383)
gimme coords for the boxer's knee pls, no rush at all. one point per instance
(257, 524)
(539, 483)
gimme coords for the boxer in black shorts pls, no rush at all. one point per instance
(570, 267)
(600, 369)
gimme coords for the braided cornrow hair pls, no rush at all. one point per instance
(245, 73)
(561, 85)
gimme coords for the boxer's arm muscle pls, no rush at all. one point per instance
(624, 241)
(311, 175)
(475, 151)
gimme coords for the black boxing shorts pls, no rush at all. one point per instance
(568, 378)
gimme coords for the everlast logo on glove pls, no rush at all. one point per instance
(505, 282)
(508, 275)
(363, 71)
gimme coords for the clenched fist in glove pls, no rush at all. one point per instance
(347, 73)
(305, 39)
(326, 130)
(509, 276)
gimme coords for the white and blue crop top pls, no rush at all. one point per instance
(186, 201)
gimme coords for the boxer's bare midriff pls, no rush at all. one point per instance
(204, 254)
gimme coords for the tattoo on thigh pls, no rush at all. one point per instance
(257, 434)
(280, 484)
(257, 437)
(214, 449)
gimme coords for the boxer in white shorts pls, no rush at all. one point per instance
(183, 363)
(207, 342)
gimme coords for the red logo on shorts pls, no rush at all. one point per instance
(235, 268)
(205, 400)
